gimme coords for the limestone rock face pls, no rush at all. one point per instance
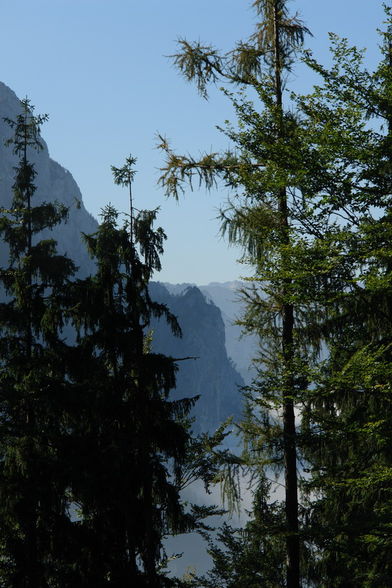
(241, 349)
(211, 375)
(54, 183)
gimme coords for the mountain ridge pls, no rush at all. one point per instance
(212, 377)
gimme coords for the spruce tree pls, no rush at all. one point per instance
(130, 438)
(348, 415)
(34, 521)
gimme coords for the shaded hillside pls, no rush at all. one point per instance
(212, 375)
(241, 348)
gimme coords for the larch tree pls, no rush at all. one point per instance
(339, 199)
(274, 174)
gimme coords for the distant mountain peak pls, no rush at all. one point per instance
(206, 313)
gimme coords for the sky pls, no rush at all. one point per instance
(100, 69)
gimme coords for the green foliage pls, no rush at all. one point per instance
(137, 450)
(92, 450)
(36, 531)
(268, 217)
(310, 208)
(253, 555)
(346, 429)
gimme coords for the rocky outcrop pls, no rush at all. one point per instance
(54, 183)
(240, 348)
(211, 375)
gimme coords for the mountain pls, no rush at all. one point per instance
(206, 314)
(211, 375)
(53, 183)
(208, 373)
(226, 296)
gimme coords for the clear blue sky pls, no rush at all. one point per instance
(98, 68)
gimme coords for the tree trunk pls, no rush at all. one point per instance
(289, 433)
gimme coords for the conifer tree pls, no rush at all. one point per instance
(34, 522)
(267, 218)
(251, 556)
(335, 168)
(321, 254)
(348, 416)
(132, 438)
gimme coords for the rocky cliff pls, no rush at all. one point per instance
(240, 348)
(211, 375)
(53, 183)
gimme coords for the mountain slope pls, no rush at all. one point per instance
(240, 348)
(53, 183)
(211, 375)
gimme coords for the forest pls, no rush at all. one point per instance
(95, 452)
